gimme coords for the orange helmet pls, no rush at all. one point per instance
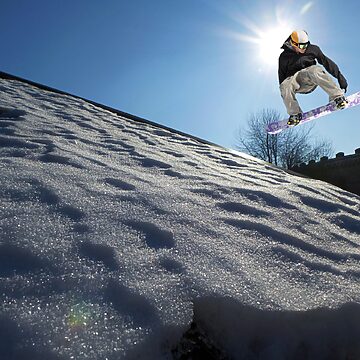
(299, 39)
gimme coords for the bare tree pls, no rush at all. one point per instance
(286, 149)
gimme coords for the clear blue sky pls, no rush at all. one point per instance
(199, 66)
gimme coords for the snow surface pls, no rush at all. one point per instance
(116, 235)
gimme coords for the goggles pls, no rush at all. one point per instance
(300, 45)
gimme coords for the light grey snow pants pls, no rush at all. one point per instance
(304, 82)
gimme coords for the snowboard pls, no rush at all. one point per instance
(278, 126)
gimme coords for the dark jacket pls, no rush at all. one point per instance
(291, 62)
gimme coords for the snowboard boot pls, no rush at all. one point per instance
(340, 102)
(294, 119)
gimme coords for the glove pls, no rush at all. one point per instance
(342, 82)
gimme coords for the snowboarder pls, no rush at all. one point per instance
(299, 73)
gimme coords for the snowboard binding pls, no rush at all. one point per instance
(340, 102)
(294, 119)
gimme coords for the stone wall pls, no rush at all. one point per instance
(342, 171)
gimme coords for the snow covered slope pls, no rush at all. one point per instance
(116, 235)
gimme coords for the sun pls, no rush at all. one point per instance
(267, 40)
(267, 37)
(269, 43)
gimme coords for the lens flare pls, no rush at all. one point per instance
(306, 7)
(79, 316)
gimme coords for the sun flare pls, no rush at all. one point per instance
(268, 37)
(270, 42)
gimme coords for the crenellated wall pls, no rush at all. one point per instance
(342, 171)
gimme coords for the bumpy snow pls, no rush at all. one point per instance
(116, 234)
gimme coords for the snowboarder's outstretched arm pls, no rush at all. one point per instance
(331, 67)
